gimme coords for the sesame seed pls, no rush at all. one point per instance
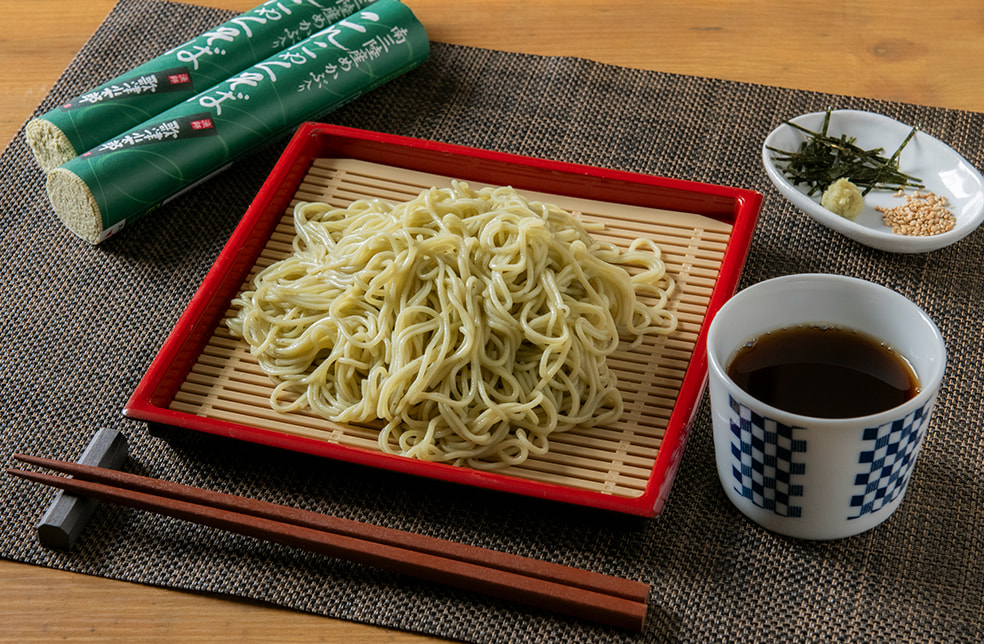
(922, 213)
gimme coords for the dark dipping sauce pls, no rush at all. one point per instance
(823, 372)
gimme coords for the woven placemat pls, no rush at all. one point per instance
(81, 324)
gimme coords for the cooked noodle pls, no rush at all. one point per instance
(473, 323)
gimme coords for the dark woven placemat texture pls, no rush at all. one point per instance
(81, 324)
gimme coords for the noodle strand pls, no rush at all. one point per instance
(472, 323)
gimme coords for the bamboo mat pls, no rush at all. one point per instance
(226, 382)
(82, 324)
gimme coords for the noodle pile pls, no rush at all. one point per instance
(473, 323)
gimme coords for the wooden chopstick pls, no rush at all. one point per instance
(580, 593)
(633, 590)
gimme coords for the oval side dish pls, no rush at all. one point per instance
(942, 171)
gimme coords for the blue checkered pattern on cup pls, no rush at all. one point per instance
(764, 464)
(888, 462)
(767, 461)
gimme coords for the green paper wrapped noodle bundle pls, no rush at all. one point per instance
(123, 179)
(103, 112)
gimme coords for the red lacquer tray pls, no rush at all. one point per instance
(204, 379)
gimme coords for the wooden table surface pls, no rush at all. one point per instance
(903, 50)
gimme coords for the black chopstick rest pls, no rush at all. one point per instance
(68, 514)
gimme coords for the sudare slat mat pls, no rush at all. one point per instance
(226, 383)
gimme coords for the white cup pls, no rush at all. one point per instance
(819, 478)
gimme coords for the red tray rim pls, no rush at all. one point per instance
(739, 207)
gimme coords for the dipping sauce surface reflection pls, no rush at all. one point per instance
(823, 372)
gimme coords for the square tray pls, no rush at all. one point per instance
(204, 379)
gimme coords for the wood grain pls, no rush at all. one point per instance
(906, 50)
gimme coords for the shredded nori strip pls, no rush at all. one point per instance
(823, 159)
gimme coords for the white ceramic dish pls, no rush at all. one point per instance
(940, 168)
